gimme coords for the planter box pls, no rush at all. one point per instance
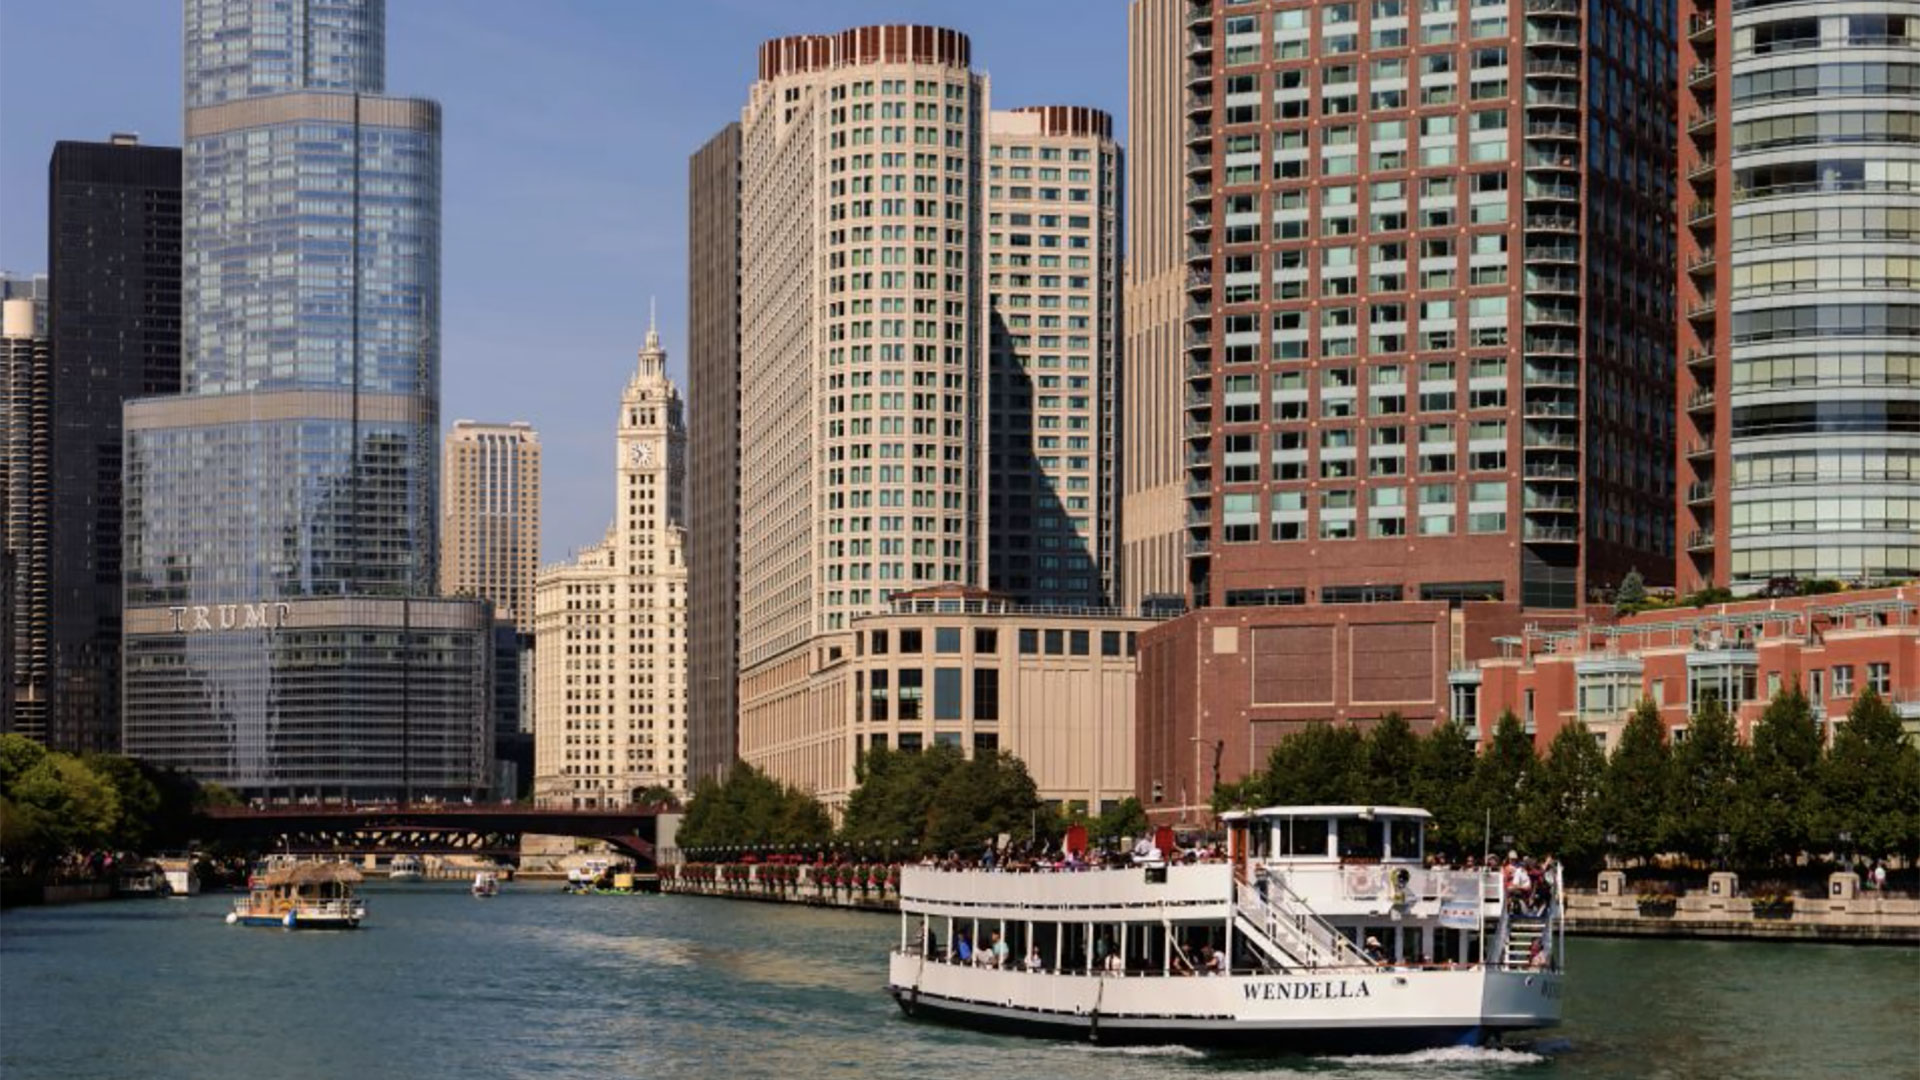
(1773, 910)
(1658, 909)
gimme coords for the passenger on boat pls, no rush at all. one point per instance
(997, 955)
(1375, 952)
(962, 948)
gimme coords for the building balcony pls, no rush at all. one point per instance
(1551, 314)
(1558, 191)
(1552, 345)
(1199, 74)
(1566, 223)
(1199, 251)
(1195, 427)
(1552, 283)
(1196, 338)
(1701, 265)
(1197, 310)
(1553, 129)
(1554, 7)
(1199, 191)
(1552, 99)
(1199, 13)
(1197, 547)
(1553, 68)
(1701, 359)
(1199, 366)
(1199, 132)
(1700, 29)
(1197, 398)
(1702, 124)
(1199, 164)
(1536, 439)
(1702, 400)
(1199, 460)
(1549, 375)
(1700, 493)
(1549, 409)
(1700, 540)
(1546, 468)
(1551, 34)
(1703, 169)
(1702, 311)
(1700, 214)
(1548, 534)
(1533, 502)
(1200, 279)
(1701, 76)
(1553, 253)
(1196, 487)
(1198, 104)
(1700, 449)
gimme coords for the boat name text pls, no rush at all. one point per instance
(1326, 990)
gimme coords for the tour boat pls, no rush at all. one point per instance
(302, 896)
(486, 883)
(1322, 931)
(405, 868)
(180, 877)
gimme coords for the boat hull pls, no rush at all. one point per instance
(1271, 1038)
(301, 922)
(1358, 1011)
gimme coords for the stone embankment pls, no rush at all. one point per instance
(1845, 914)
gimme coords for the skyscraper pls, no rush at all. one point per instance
(713, 526)
(1799, 398)
(490, 533)
(1053, 286)
(26, 508)
(610, 704)
(281, 635)
(1429, 311)
(1153, 554)
(113, 248)
(861, 356)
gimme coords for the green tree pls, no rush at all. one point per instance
(138, 796)
(1323, 763)
(1779, 795)
(1632, 592)
(894, 792)
(1634, 790)
(1501, 775)
(1870, 781)
(1127, 818)
(17, 755)
(62, 807)
(1388, 759)
(750, 808)
(986, 795)
(1443, 785)
(1704, 784)
(1560, 811)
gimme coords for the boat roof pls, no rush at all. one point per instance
(1329, 811)
(313, 874)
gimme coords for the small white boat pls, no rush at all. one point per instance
(405, 868)
(1321, 932)
(180, 877)
(486, 883)
(302, 896)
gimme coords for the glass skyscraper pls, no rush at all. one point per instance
(297, 469)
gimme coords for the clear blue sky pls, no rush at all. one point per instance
(568, 126)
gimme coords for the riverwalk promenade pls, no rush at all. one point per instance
(1612, 908)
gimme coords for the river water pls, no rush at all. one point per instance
(540, 984)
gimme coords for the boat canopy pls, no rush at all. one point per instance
(312, 874)
(1362, 812)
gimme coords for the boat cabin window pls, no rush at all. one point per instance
(1305, 836)
(1404, 838)
(1361, 839)
(1260, 839)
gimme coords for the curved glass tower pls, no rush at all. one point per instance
(1802, 386)
(299, 465)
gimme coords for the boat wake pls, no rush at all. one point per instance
(1169, 1051)
(1446, 1057)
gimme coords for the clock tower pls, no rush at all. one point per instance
(610, 717)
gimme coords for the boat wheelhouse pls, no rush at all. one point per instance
(302, 896)
(1323, 930)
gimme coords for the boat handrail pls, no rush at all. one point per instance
(1308, 933)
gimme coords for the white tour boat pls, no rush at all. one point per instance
(486, 884)
(406, 868)
(1321, 932)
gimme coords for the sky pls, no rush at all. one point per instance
(568, 124)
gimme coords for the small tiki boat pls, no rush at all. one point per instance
(302, 896)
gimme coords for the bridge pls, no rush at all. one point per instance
(430, 828)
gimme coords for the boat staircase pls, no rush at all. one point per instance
(1522, 931)
(1288, 933)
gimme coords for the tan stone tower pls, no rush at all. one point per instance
(610, 706)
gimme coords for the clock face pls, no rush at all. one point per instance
(640, 454)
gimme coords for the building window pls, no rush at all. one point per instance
(1607, 695)
(986, 641)
(877, 697)
(909, 641)
(985, 743)
(1464, 704)
(909, 742)
(1029, 642)
(1109, 643)
(1528, 717)
(878, 642)
(946, 639)
(1731, 683)
(1843, 680)
(910, 687)
(946, 693)
(1056, 642)
(986, 694)
(947, 738)
(1079, 643)
(1880, 678)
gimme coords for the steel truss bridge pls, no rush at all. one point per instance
(430, 829)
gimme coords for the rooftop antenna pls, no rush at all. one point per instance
(653, 322)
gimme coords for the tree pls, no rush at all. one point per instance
(894, 793)
(1779, 792)
(1127, 818)
(1703, 785)
(138, 797)
(1443, 785)
(1388, 761)
(1870, 781)
(1560, 811)
(1634, 790)
(17, 755)
(62, 807)
(1631, 594)
(1321, 764)
(986, 795)
(752, 809)
(1500, 776)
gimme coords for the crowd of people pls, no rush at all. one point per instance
(1022, 856)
